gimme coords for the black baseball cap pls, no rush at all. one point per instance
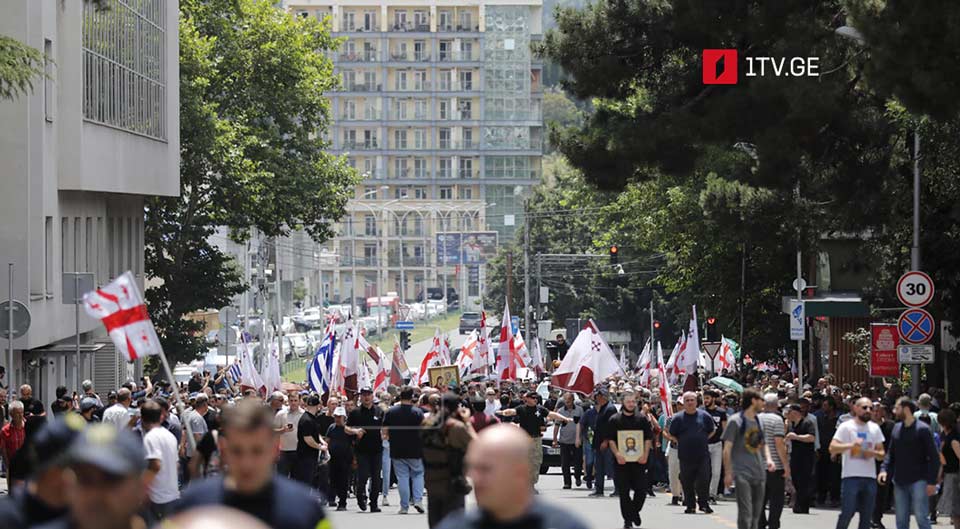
(115, 452)
(53, 441)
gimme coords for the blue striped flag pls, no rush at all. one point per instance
(234, 373)
(320, 369)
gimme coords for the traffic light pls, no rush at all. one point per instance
(656, 324)
(404, 340)
(711, 329)
(614, 254)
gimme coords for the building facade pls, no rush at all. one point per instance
(80, 153)
(440, 111)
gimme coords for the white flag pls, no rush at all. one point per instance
(589, 362)
(123, 312)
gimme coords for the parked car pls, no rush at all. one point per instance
(300, 344)
(469, 321)
(551, 455)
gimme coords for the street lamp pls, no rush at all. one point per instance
(379, 234)
(852, 33)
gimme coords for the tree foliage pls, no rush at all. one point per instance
(252, 114)
(19, 66)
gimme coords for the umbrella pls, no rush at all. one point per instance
(289, 386)
(726, 383)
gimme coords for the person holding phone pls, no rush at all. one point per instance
(285, 423)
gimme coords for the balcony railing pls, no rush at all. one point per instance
(354, 27)
(358, 116)
(458, 28)
(365, 56)
(409, 260)
(458, 145)
(411, 26)
(454, 56)
(409, 57)
(360, 145)
(361, 87)
(408, 116)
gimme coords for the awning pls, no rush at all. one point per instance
(833, 304)
(63, 348)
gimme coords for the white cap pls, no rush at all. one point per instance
(340, 412)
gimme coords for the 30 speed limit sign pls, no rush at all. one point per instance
(915, 289)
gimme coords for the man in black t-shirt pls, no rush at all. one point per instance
(406, 449)
(711, 399)
(532, 418)
(801, 434)
(250, 449)
(630, 449)
(367, 419)
(603, 457)
(309, 444)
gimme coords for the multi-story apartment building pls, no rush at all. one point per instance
(80, 153)
(440, 111)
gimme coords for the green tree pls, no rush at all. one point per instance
(559, 111)
(19, 65)
(253, 111)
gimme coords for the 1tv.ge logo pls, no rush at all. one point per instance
(720, 66)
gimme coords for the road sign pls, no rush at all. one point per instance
(711, 348)
(802, 284)
(404, 325)
(227, 315)
(915, 326)
(797, 320)
(21, 319)
(915, 289)
(73, 292)
(915, 354)
(515, 324)
(883, 350)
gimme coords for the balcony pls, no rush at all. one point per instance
(366, 56)
(347, 26)
(366, 116)
(408, 260)
(458, 28)
(409, 146)
(410, 26)
(468, 174)
(361, 87)
(458, 56)
(458, 145)
(456, 87)
(408, 116)
(409, 57)
(359, 145)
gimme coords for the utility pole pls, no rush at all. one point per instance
(526, 270)
(915, 247)
(653, 342)
(276, 253)
(509, 274)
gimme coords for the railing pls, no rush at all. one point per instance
(362, 87)
(454, 56)
(367, 56)
(410, 26)
(408, 260)
(408, 116)
(409, 57)
(359, 28)
(458, 28)
(360, 146)
(458, 145)
(366, 116)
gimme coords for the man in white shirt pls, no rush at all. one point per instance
(161, 453)
(119, 414)
(860, 441)
(285, 423)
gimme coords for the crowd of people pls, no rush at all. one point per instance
(132, 459)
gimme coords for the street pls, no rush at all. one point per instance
(418, 350)
(605, 513)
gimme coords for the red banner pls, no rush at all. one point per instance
(883, 350)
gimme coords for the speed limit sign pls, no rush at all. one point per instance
(915, 289)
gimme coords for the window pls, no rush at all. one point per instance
(349, 22)
(468, 139)
(369, 139)
(446, 79)
(420, 50)
(466, 168)
(349, 139)
(421, 20)
(444, 168)
(349, 80)
(124, 66)
(370, 110)
(368, 167)
(466, 109)
(48, 255)
(370, 21)
(401, 80)
(420, 193)
(465, 193)
(446, 50)
(369, 192)
(401, 193)
(370, 81)
(446, 21)
(420, 168)
(445, 138)
(419, 139)
(466, 80)
(446, 193)
(400, 139)
(77, 243)
(444, 109)
(65, 249)
(420, 109)
(369, 253)
(400, 168)
(400, 52)
(369, 52)
(466, 21)
(48, 95)
(349, 110)
(420, 80)
(466, 51)
(399, 19)
(369, 225)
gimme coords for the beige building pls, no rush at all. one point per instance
(440, 110)
(78, 156)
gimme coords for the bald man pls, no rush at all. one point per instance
(498, 464)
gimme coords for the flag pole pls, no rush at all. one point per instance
(176, 396)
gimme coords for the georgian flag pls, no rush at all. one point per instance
(467, 353)
(381, 378)
(689, 357)
(445, 351)
(481, 357)
(432, 359)
(536, 357)
(398, 366)
(643, 364)
(666, 397)
(123, 312)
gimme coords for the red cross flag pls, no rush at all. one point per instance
(123, 312)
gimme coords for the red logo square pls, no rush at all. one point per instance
(719, 66)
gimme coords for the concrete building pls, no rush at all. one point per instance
(78, 157)
(440, 111)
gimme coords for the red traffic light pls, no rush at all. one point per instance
(711, 321)
(614, 249)
(656, 324)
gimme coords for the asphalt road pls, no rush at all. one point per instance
(604, 513)
(418, 350)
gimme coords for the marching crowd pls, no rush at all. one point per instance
(129, 459)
